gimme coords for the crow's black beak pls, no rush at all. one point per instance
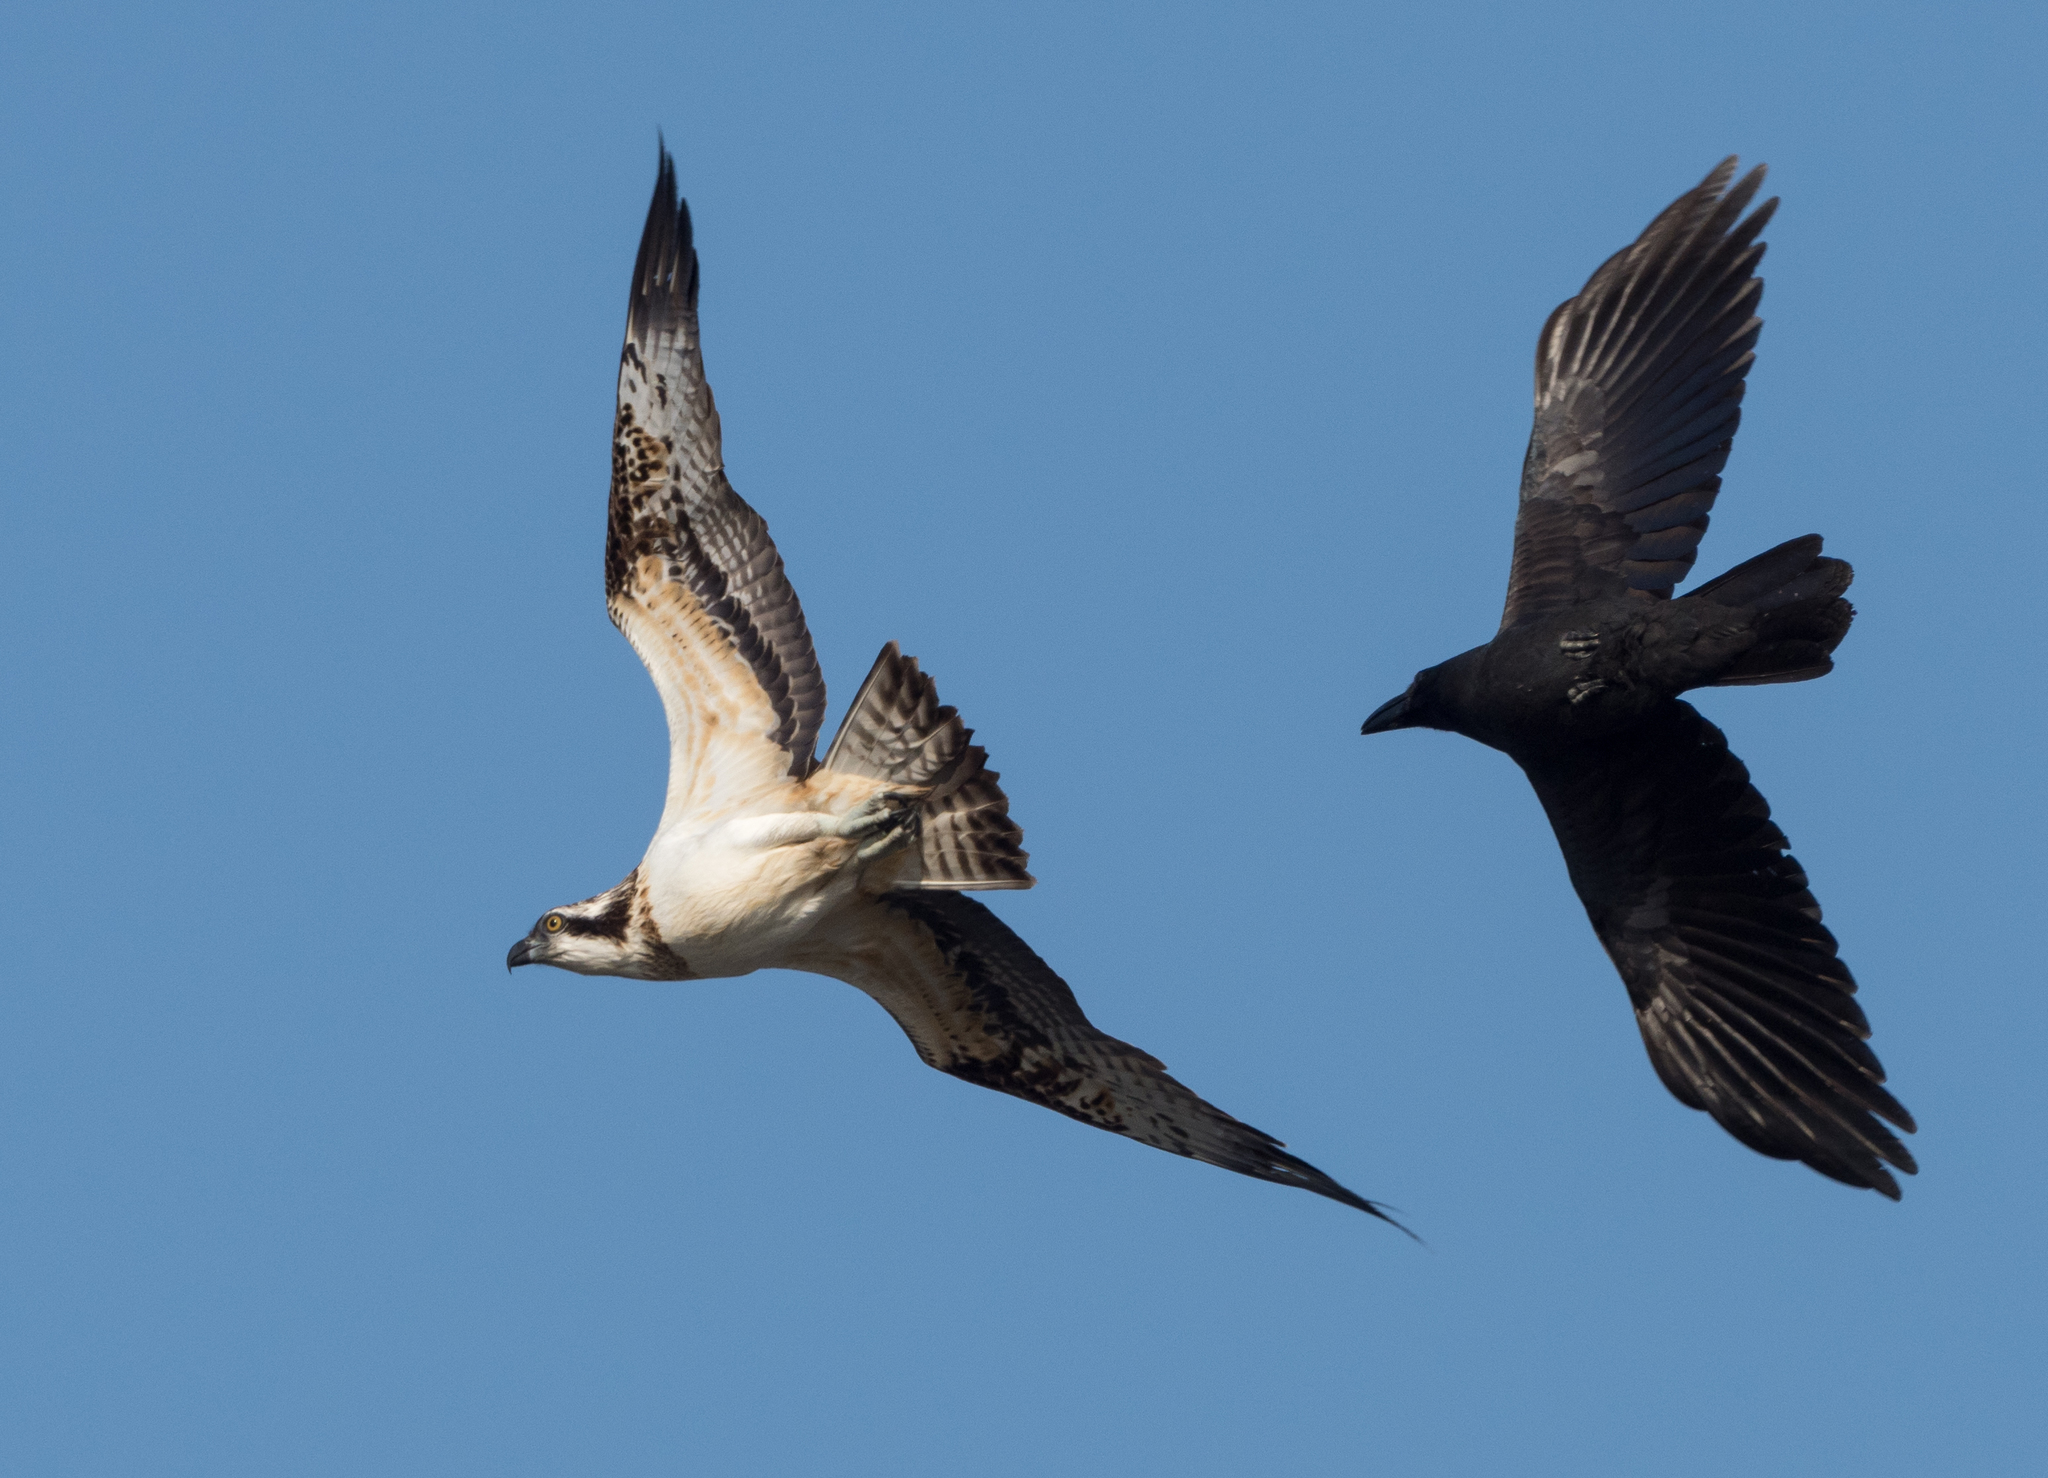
(521, 954)
(1390, 715)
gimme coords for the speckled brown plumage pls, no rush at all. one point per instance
(982, 1006)
(670, 498)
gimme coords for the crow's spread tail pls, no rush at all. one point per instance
(1794, 595)
(898, 731)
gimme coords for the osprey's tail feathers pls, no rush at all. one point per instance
(897, 731)
(1794, 596)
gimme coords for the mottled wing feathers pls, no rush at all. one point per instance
(1746, 1010)
(978, 1004)
(691, 576)
(1639, 383)
(898, 731)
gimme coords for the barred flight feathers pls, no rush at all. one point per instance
(898, 731)
(978, 1004)
(1639, 385)
(970, 844)
(682, 540)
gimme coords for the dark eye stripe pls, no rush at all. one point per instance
(611, 924)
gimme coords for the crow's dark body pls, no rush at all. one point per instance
(1744, 1006)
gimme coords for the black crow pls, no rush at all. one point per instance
(1746, 1009)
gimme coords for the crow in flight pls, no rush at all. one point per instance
(1746, 1010)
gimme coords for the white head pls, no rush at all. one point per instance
(611, 934)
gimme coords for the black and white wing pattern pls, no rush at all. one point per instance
(1639, 383)
(691, 576)
(1743, 1004)
(978, 1004)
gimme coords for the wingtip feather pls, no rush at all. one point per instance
(665, 268)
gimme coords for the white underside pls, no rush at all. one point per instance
(742, 892)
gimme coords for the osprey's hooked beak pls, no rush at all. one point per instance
(1390, 715)
(521, 954)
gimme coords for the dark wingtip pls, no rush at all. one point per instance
(665, 270)
(1722, 175)
(1384, 1213)
(1299, 1172)
(1721, 197)
(1373, 1208)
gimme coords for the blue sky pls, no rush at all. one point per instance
(1159, 376)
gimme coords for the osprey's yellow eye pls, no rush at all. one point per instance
(552, 923)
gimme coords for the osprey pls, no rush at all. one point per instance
(1745, 1007)
(854, 866)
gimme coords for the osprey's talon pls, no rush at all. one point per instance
(1580, 644)
(893, 840)
(1580, 692)
(881, 823)
(870, 816)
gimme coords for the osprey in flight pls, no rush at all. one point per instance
(1743, 1004)
(854, 866)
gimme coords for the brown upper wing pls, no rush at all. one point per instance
(691, 576)
(1639, 384)
(977, 1003)
(1743, 1004)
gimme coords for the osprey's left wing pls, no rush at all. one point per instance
(977, 1003)
(691, 576)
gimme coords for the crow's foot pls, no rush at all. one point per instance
(1579, 644)
(1580, 692)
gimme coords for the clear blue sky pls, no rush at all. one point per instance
(1159, 376)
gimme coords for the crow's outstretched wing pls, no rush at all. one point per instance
(1745, 1009)
(691, 576)
(977, 1003)
(1638, 393)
